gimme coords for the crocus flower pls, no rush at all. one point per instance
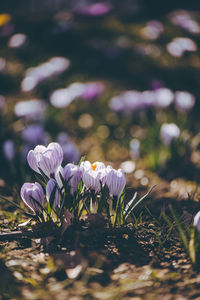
(94, 10)
(185, 20)
(152, 30)
(35, 134)
(196, 222)
(9, 149)
(72, 174)
(63, 97)
(169, 132)
(116, 181)
(35, 75)
(163, 97)
(31, 191)
(71, 153)
(135, 148)
(179, 45)
(51, 185)
(58, 174)
(17, 40)
(184, 101)
(94, 175)
(47, 159)
(33, 109)
(92, 90)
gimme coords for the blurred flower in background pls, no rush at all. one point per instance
(86, 91)
(9, 149)
(35, 135)
(179, 45)
(184, 101)
(169, 133)
(185, 20)
(71, 153)
(92, 90)
(163, 97)
(93, 10)
(35, 75)
(152, 30)
(33, 109)
(2, 64)
(17, 40)
(2, 102)
(134, 148)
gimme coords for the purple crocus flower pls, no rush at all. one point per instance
(51, 185)
(35, 134)
(70, 152)
(92, 90)
(31, 191)
(116, 181)
(48, 159)
(74, 173)
(185, 20)
(9, 149)
(94, 10)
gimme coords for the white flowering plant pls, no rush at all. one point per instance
(189, 235)
(67, 194)
(194, 243)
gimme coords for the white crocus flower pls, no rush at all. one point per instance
(48, 159)
(168, 133)
(115, 181)
(94, 175)
(197, 221)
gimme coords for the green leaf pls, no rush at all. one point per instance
(40, 179)
(82, 160)
(134, 203)
(16, 205)
(180, 229)
(51, 200)
(45, 177)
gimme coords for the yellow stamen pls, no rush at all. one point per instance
(93, 166)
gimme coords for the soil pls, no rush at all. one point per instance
(142, 260)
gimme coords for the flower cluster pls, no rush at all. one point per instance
(84, 188)
(133, 101)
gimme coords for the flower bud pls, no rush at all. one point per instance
(197, 221)
(50, 188)
(31, 191)
(116, 181)
(58, 177)
(72, 173)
